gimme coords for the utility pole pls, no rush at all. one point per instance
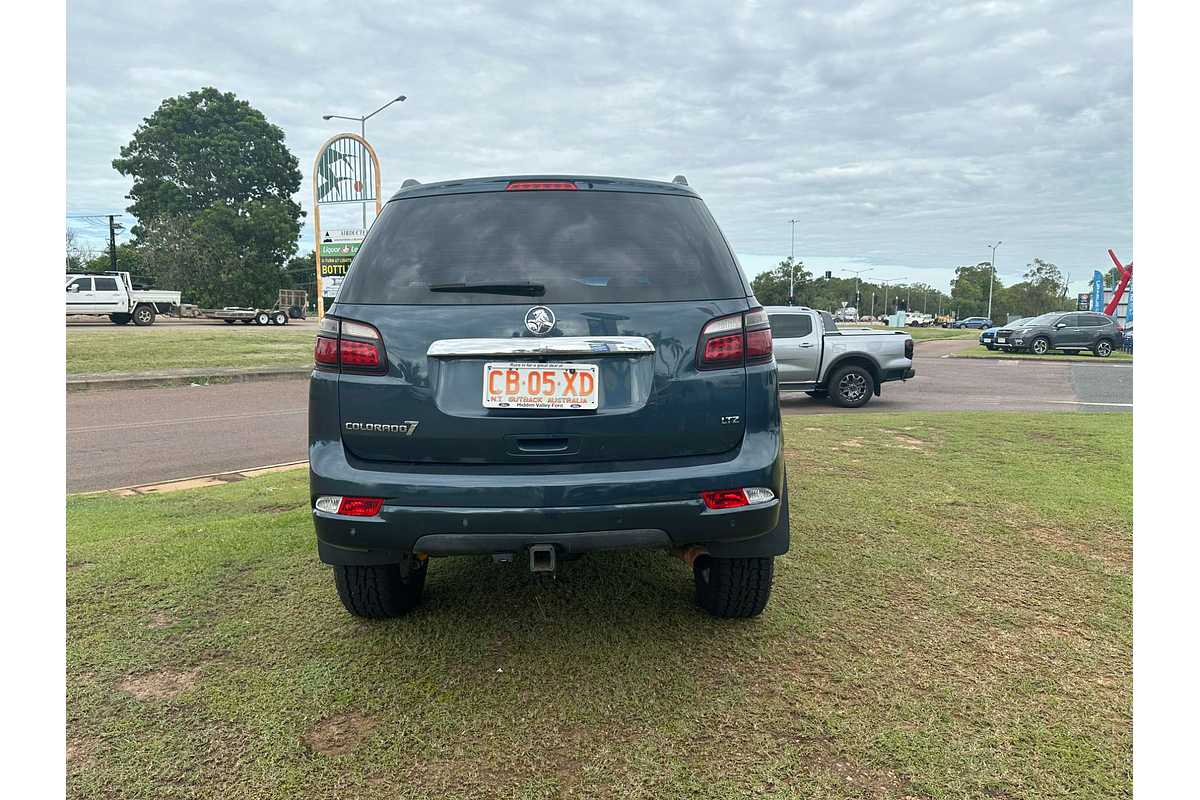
(792, 268)
(992, 282)
(112, 241)
(872, 304)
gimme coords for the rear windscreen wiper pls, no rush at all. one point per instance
(528, 289)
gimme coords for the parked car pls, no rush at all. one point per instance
(988, 337)
(971, 322)
(535, 367)
(1068, 332)
(848, 366)
(114, 295)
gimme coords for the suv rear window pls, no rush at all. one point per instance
(582, 246)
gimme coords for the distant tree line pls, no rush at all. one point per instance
(1042, 289)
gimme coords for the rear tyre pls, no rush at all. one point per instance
(120, 319)
(279, 318)
(380, 591)
(1103, 348)
(733, 588)
(262, 318)
(143, 315)
(1040, 346)
(851, 386)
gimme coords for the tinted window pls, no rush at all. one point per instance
(1093, 320)
(582, 246)
(827, 322)
(106, 284)
(81, 284)
(790, 326)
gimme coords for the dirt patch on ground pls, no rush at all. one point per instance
(1061, 540)
(906, 442)
(160, 620)
(73, 566)
(339, 734)
(279, 509)
(161, 685)
(81, 753)
(855, 442)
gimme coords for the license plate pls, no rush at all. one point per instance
(1002, 340)
(541, 386)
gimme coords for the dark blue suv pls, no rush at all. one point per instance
(537, 367)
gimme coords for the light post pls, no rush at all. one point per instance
(792, 268)
(993, 279)
(857, 283)
(362, 123)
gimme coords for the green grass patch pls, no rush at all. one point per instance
(922, 334)
(946, 625)
(133, 350)
(983, 352)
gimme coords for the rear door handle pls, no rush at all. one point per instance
(806, 344)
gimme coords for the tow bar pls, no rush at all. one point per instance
(542, 558)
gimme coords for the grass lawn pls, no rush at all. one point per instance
(947, 625)
(983, 352)
(921, 334)
(126, 350)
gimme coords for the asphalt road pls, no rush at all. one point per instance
(126, 437)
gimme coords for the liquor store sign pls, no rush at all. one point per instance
(338, 248)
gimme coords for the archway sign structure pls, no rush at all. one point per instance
(346, 170)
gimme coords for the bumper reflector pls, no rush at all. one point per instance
(736, 498)
(349, 506)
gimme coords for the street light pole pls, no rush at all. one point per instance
(362, 129)
(992, 282)
(857, 282)
(792, 268)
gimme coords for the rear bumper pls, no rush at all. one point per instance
(400, 531)
(897, 374)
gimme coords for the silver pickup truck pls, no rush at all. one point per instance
(848, 366)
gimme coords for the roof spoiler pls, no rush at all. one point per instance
(682, 181)
(409, 183)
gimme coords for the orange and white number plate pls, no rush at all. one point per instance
(546, 386)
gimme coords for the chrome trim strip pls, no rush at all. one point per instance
(552, 346)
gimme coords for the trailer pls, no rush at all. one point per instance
(292, 304)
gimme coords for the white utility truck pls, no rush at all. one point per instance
(112, 294)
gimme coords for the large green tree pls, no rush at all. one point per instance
(771, 288)
(210, 173)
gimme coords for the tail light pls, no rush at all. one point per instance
(349, 506)
(908, 349)
(735, 340)
(349, 345)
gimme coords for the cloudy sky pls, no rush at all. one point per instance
(902, 136)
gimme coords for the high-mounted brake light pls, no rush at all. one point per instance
(533, 186)
(350, 345)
